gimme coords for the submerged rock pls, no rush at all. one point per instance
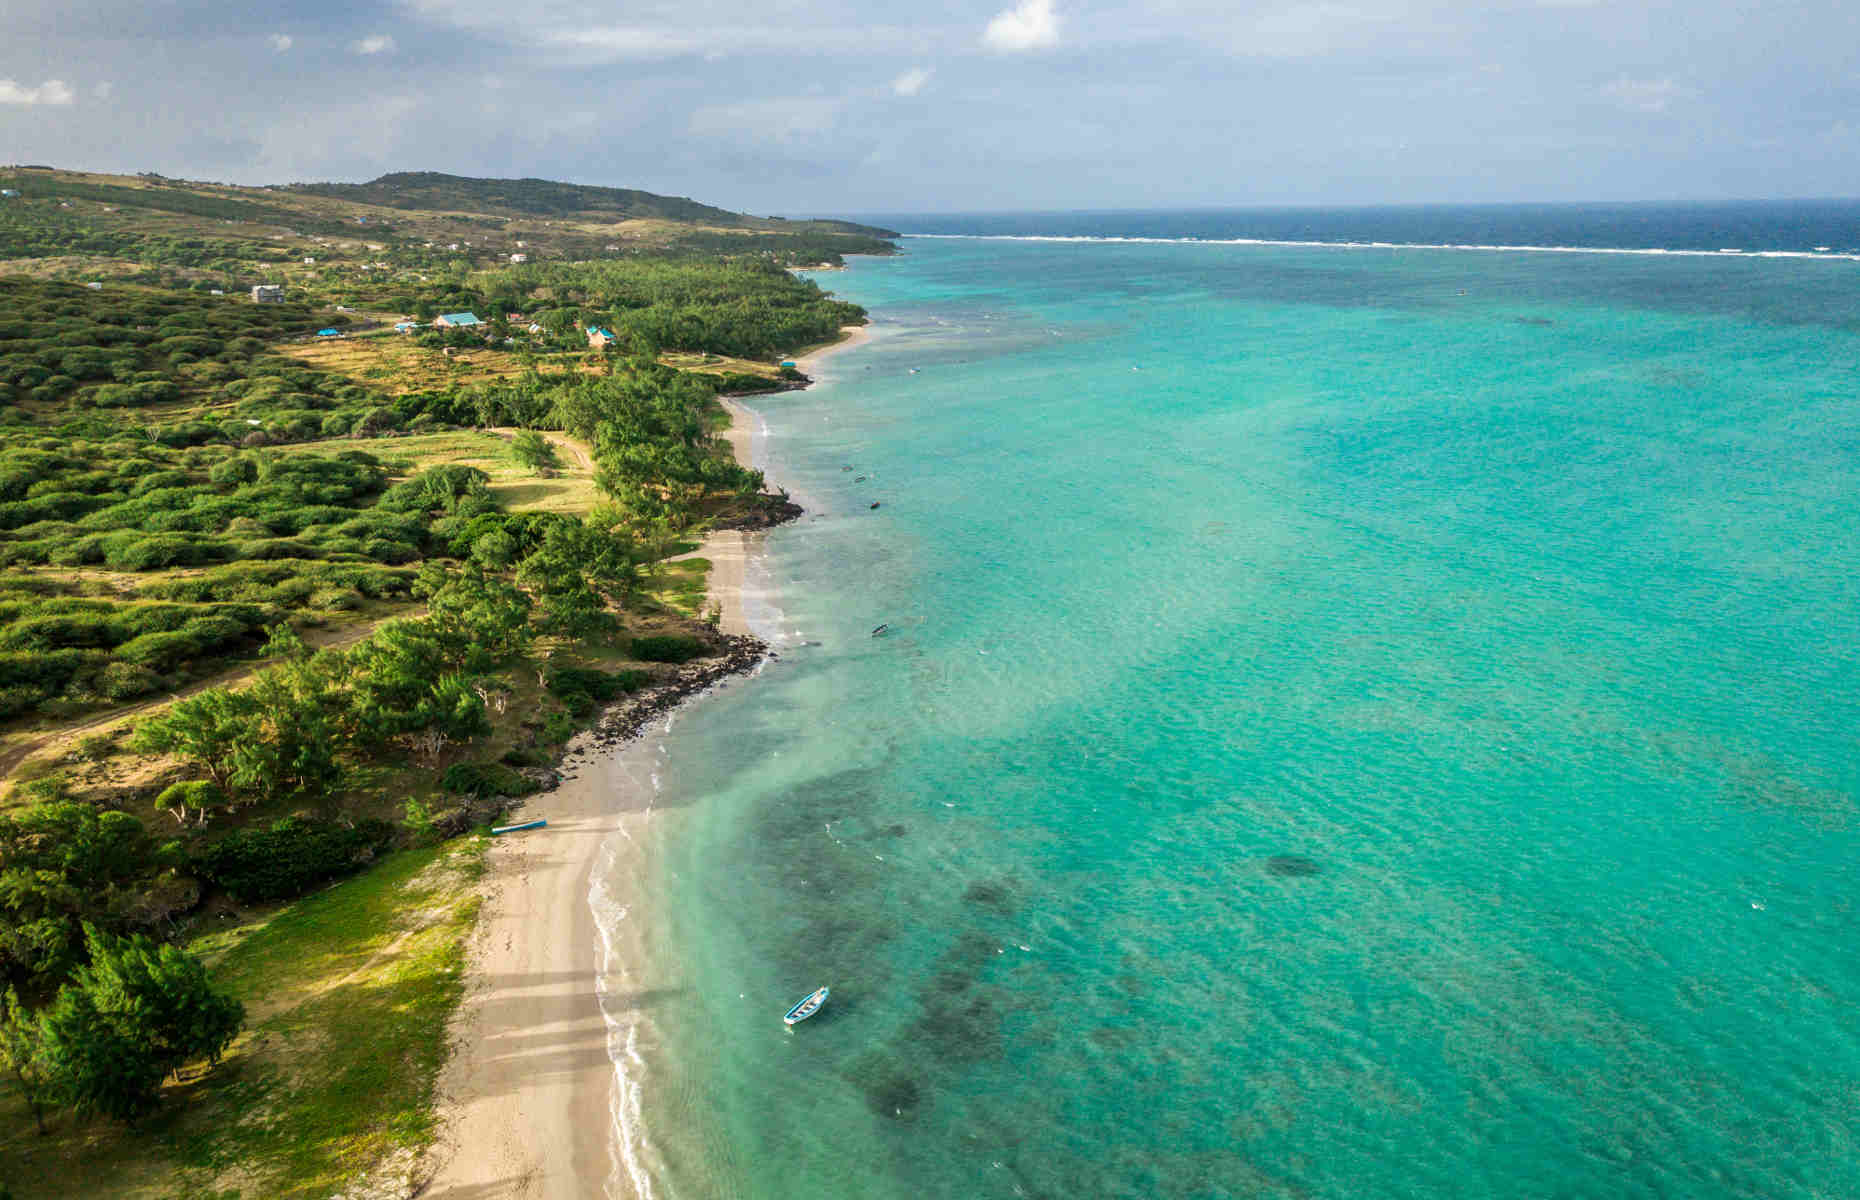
(990, 894)
(1291, 865)
(897, 1098)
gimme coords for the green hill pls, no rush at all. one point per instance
(431, 191)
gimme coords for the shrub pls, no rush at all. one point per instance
(581, 688)
(159, 550)
(530, 449)
(525, 756)
(159, 651)
(669, 648)
(559, 727)
(290, 857)
(124, 681)
(197, 794)
(485, 779)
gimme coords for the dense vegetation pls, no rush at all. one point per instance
(120, 347)
(45, 231)
(751, 309)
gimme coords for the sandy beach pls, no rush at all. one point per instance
(528, 1098)
(850, 336)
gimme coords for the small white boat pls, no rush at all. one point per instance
(805, 1008)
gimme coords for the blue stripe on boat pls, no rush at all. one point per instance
(806, 1008)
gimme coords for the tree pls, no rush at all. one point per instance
(481, 609)
(292, 746)
(206, 729)
(95, 1066)
(576, 571)
(135, 1014)
(22, 1050)
(531, 449)
(62, 864)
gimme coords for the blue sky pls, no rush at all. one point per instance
(835, 106)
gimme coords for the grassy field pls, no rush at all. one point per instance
(719, 364)
(397, 364)
(680, 585)
(347, 995)
(570, 489)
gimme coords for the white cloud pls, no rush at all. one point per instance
(613, 42)
(1029, 26)
(784, 119)
(52, 91)
(280, 42)
(1645, 95)
(378, 43)
(912, 81)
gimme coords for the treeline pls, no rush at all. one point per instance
(748, 308)
(784, 249)
(745, 308)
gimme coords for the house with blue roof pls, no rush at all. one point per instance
(598, 338)
(462, 320)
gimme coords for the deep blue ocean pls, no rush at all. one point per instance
(1355, 722)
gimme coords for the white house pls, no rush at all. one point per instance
(268, 293)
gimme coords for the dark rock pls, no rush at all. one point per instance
(997, 896)
(1291, 865)
(896, 1096)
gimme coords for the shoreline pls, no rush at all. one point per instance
(533, 1054)
(805, 362)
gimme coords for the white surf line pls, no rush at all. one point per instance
(627, 1126)
(1655, 252)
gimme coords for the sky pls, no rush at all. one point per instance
(835, 106)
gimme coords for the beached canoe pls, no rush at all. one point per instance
(806, 1008)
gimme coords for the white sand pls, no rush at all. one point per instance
(850, 336)
(526, 1097)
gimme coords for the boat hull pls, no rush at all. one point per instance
(805, 1008)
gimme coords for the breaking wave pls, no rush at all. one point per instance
(1727, 252)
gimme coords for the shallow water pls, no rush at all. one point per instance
(1354, 723)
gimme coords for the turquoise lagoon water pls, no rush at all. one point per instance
(1356, 723)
